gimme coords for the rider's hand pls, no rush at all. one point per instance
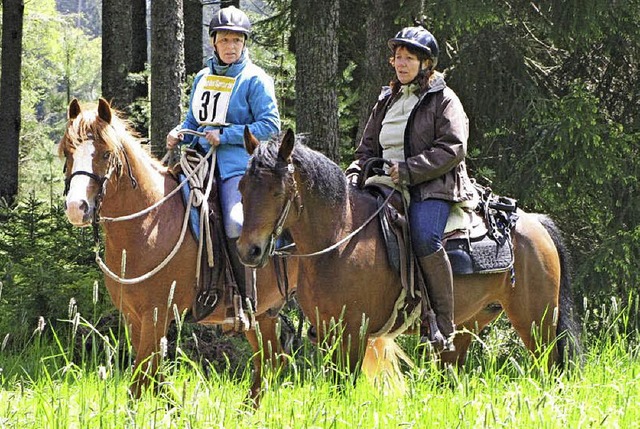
(173, 138)
(213, 137)
(353, 178)
(394, 173)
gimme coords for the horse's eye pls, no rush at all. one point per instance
(106, 155)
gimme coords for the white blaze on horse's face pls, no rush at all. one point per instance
(80, 201)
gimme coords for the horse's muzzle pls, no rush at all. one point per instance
(79, 212)
(252, 255)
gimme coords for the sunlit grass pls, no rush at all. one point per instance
(497, 388)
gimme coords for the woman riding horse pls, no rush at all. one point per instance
(111, 181)
(345, 275)
(231, 92)
(419, 125)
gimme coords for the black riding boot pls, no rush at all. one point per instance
(439, 280)
(242, 274)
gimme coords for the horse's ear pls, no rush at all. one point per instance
(104, 110)
(74, 109)
(250, 141)
(286, 146)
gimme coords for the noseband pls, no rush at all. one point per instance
(100, 180)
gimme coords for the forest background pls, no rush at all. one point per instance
(551, 90)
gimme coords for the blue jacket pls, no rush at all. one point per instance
(253, 103)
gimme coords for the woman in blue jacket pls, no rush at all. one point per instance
(228, 94)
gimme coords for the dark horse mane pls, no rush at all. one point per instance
(322, 176)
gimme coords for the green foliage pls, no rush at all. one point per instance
(59, 62)
(269, 49)
(497, 388)
(582, 168)
(44, 263)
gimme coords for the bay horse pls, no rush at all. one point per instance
(288, 185)
(107, 170)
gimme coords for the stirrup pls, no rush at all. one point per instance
(205, 303)
(438, 343)
(434, 337)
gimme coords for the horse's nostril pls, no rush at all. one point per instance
(255, 251)
(84, 206)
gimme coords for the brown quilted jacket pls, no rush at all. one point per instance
(435, 144)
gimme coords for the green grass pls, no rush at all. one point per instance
(499, 387)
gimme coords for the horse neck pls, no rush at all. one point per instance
(321, 222)
(122, 198)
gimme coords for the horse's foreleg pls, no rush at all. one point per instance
(146, 343)
(266, 351)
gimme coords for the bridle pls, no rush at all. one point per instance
(278, 226)
(102, 185)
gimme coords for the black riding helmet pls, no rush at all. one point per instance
(230, 19)
(419, 38)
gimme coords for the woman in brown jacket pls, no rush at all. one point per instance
(420, 125)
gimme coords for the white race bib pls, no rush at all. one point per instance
(210, 101)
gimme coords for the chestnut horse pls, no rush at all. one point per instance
(288, 185)
(109, 175)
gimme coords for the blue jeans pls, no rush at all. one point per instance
(427, 220)
(231, 205)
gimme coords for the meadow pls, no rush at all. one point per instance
(47, 385)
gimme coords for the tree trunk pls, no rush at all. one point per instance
(375, 70)
(139, 47)
(225, 3)
(194, 35)
(167, 69)
(116, 51)
(138, 80)
(10, 87)
(316, 49)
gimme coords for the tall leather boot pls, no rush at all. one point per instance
(436, 269)
(241, 273)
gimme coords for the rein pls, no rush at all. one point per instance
(278, 228)
(170, 194)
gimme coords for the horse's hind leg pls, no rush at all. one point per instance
(535, 325)
(467, 332)
(532, 302)
(266, 347)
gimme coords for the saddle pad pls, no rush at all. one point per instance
(488, 256)
(484, 256)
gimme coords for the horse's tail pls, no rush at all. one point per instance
(381, 363)
(568, 330)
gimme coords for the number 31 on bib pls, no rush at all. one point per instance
(210, 101)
